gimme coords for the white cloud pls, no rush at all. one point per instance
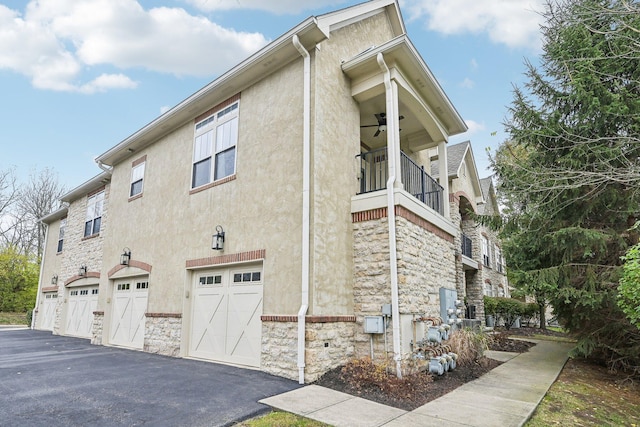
(467, 83)
(275, 6)
(164, 109)
(514, 23)
(474, 64)
(474, 127)
(55, 41)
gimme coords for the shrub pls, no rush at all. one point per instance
(468, 344)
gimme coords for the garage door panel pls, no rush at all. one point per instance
(81, 304)
(49, 303)
(128, 313)
(208, 333)
(226, 312)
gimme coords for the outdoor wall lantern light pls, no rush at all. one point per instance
(54, 279)
(125, 257)
(82, 271)
(218, 239)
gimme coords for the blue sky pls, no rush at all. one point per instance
(77, 77)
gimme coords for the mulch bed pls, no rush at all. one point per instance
(417, 389)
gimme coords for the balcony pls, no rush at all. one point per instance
(374, 175)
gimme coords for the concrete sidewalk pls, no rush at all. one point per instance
(506, 396)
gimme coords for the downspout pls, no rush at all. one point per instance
(306, 170)
(44, 255)
(391, 216)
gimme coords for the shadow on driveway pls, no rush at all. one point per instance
(48, 380)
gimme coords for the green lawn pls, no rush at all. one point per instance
(13, 318)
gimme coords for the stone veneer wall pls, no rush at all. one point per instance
(96, 327)
(328, 340)
(426, 262)
(79, 250)
(162, 333)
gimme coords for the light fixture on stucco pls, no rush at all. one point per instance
(82, 271)
(125, 257)
(218, 239)
(54, 279)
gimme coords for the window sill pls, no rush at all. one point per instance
(212, 184)
(93, 236)
(137, 196)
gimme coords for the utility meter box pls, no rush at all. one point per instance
(373, 325)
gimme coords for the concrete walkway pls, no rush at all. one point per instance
(505, 396)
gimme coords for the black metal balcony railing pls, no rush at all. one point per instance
(467, 246)
(374, 175)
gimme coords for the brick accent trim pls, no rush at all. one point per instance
(402, 212)
(139, 161)
(50, 289)
(132, 263)
(223, 104)
(213, 184)
(98, 313)
(227, 259)
(92, 274)
(173, 315)
(369, 215)
(309, 319)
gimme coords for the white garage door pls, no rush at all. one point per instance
(48, 310)
(127, 318)
(82, 303)
(225, 322)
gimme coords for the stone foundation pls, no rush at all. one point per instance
(163, 333)
(329, 342)
(97, 327)
(425, 261)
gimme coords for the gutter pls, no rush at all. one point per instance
(306, 170)
(391, 215)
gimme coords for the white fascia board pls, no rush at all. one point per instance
(341, 18)
(54, 216)
(90, 185)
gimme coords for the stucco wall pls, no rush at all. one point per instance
(259, 209)
(51, 264)
(336, 142)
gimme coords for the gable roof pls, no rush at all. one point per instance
(267, 60)
(489, 194)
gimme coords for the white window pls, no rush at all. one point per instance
(93, 217)
(214, 149)
(499, 259)
(488, 289)
(63, 225)
(137, 179)
(486, 257)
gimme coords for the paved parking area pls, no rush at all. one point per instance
(48, 380)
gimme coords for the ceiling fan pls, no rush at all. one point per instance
(382, 123)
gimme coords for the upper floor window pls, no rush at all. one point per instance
(214, 150)
(93, 217)
(137, 177)
(63, 225)
(486, 257)
(499, 259)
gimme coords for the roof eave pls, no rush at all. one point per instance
(54, 216)
(90, 185)
(275, 54)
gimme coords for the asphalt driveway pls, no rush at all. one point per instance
(48, 380)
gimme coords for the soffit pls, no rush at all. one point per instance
(364, 71)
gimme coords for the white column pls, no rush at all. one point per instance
(444, 176)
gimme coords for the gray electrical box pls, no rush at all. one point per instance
(386, 310)
(373, 325)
